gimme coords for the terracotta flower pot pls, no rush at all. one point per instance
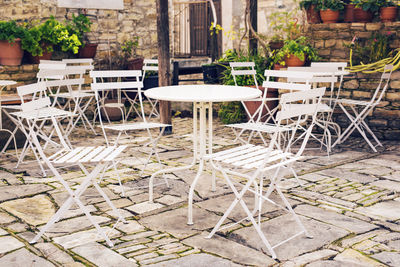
(46, 56)
(349, 13)
(293, 61)
(361, 15)
(135, 64)
(87, 51)
(388, 14)
(252, 106)
(329, 16)
(11, 53)
(313, 15)
(275, 45)
(278, 66)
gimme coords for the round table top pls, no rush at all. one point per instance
(7, 82)
(203, 93)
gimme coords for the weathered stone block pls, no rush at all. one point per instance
(373, 26)
(361, 94)
(352, 84)
(378, 122)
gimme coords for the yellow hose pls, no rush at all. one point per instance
(377, 66)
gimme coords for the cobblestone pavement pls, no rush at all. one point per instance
(349, 202)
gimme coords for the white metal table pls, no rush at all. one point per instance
(3, 84)
(202, 97)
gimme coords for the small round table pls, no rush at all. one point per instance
(202, 97)
(3, 84)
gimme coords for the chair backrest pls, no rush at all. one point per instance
(149, 65)
(321, 75)
(292, 116)
(330, 65)
(243, 69)
(383, 85)
(37, 92)
(79, 63)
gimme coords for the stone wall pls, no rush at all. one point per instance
(109, 29)
(330, 41)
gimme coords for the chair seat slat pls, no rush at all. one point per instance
(80, 155)
(103, 154)
(115, 153)
(69, 155)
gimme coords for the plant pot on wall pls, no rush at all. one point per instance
(329, 15)
(135, 64)
(252, 106)
(11, 53)
(349, 13)
(361, 15)
(312, 14)
(388, 14)
(293, 61)
(87, 51)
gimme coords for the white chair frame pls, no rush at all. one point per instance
(357, 117)
(266, 159)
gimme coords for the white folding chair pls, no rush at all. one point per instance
(83, 63)
(257, 125)
(267, 161)
(100, 156)
(359, 110)
(323, 74)
(115, 82)
(151, 65)
(36, 113)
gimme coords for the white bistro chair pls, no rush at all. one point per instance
(33, 116)
(268, 163)
(151, 65)
(358, 110)
(257, 126)
(104, 81)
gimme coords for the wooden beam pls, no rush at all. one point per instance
(253, 21)
(164, 67)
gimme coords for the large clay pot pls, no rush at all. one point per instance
(349, 13)
(135, 64)
(362, 16)
(329, 16)
(388, 14)
(293, 61)
(275, 45)
(11, 53)
(87, 51)
(113, 110)
(313, 15)
(252, 106)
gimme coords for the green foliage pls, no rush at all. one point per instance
(298, 47)
(373, 49)
(79, 25)
(386, 3)
(367, 5)
(10, 30)
(49, 34)
(306, 4)
(284, 25)
(128, 48)
(232, 112)
(334, 5)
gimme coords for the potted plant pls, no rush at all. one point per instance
(11, 35)
(44, 37)
(129, 59)
(348, 11)
(387, 11)
(329, 10)
(364, 10)
(284, 25)
(80, 25)
(295, 52)
(310, 6)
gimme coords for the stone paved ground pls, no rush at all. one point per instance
(349, 202)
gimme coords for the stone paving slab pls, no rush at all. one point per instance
(229, 249)
(23, 258)
(102, 256)
(283, 227)
(348, 201)
(197, 260)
